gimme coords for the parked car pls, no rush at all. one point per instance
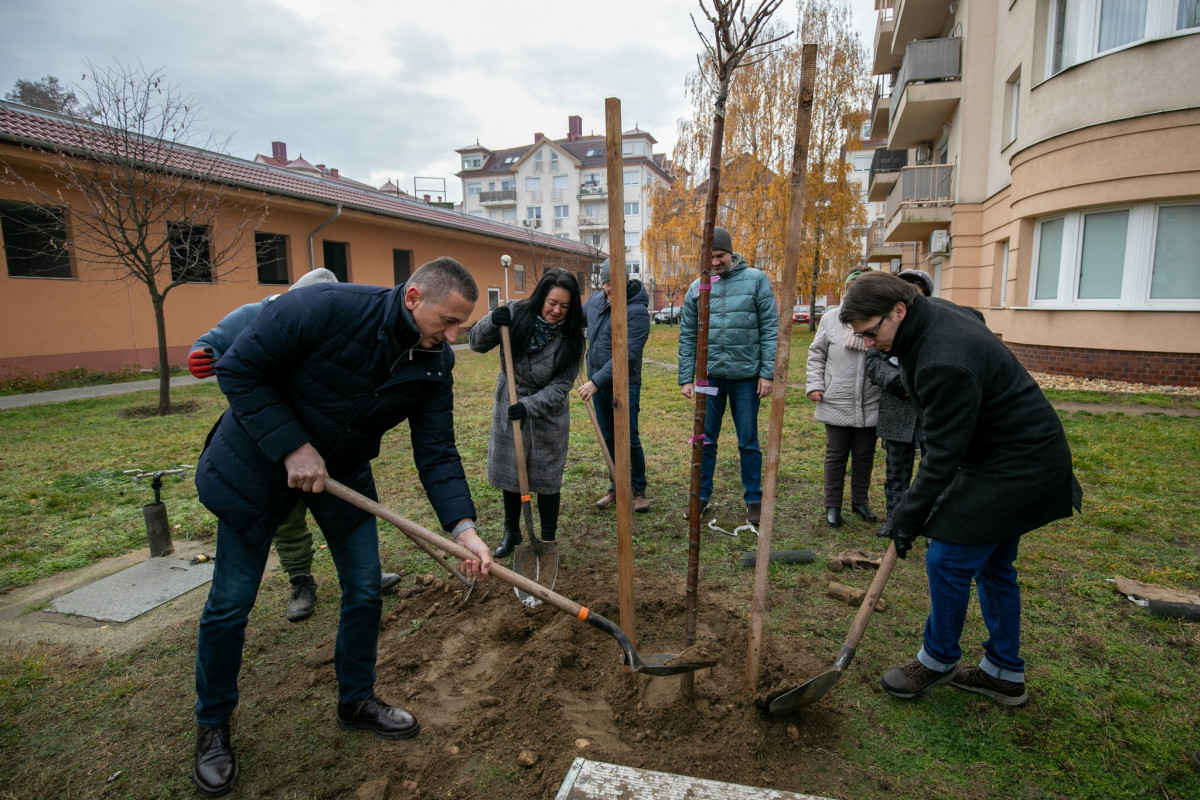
(668, 314)
(800, 314)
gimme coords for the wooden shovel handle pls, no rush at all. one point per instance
(518, 439)
(608, 459)
(873, 594)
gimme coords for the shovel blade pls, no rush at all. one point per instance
(537, 561)
(658, 665)
(805, 694)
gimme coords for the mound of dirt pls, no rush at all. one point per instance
(499, 686)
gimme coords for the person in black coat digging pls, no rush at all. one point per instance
(997, 466)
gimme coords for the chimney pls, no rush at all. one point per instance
(279, 151)
(537, 137)
(333, 172)
(574, 127)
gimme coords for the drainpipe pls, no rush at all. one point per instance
(312, 253)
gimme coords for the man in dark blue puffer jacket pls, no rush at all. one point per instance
(313, 384)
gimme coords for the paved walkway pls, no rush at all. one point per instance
(86, 392)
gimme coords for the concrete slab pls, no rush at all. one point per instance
(135, 590)
(597, 780)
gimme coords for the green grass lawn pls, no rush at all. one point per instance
(1115, 711)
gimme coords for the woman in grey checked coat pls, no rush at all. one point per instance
(546, 332)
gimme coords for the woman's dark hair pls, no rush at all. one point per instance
(875, 294)
(573, 324)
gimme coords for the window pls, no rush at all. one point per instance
(270, 251)
(554, 162)
(491, 186)
(189, 247)
(533, 212)
(635, 269)
(537, 161)
(519, 278)
(598, 151)
(35, 241)
(1081, 30)
(508, 185)
(1140, 256)
(1012, 107)
(631, 209)
(862, 161)
(632, 148)
(401, 266)
(473, 188)
(493, 298)
(632, 238)
(512, 159)
(562, 212)
(1004, 274)
(337, 260)
(472, 162)
(560, 186)
(533, 184)
(633, 177)
(510, 215)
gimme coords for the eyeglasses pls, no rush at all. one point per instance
(874, 332)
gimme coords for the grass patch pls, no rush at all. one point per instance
(1114, 711)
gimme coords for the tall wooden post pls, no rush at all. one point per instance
(783, 350)
(620, 358)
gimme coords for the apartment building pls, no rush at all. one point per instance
(560, 187)
(1040, 161)
(63, 304)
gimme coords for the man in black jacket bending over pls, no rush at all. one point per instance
(313, 384)
(997, 466)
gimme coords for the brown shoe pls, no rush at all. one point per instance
(974, 679)
(608, 499)
(912, 680)
(754, 513)
(641, 503)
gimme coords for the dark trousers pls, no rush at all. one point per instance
(602, 401)
(900, 459)
(857, 445)
(548, 505)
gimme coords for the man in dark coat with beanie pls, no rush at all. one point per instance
(997, 466)
(598, 389)
(313, 384)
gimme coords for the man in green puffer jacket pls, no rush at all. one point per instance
(742, 330)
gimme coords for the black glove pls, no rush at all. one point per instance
(517, 411)
(903, 541)
(896, 387)
(502, 316)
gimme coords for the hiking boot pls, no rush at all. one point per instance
(641, 504)
(608, 499)
(974, 679)
(912, 680)
(388, 580)
(304, 597)
(753, 513)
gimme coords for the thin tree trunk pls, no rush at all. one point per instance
(164, 368)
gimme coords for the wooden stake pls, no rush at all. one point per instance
(620, 357)
(783, 349)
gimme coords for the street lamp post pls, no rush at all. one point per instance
(505, 261)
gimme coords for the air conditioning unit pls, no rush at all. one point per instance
(939, 243)
(924, 154)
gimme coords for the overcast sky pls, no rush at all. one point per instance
(382, 89)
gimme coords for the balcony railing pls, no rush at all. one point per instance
(599, 221)
(887, 161)
(929, 60)
(931, 184)
(592, 190)
(504, 196)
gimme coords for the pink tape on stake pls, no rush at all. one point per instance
(702, 383)
(706, 286)
(697, 438)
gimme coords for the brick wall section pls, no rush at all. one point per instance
(1161, 369)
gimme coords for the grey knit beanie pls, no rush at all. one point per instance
(722, 240)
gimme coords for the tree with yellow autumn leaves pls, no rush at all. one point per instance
(759, 137)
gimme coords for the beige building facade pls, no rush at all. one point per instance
(1041, 162)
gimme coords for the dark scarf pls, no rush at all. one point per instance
(544, 333)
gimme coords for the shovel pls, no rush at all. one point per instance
(537, 559)
(660, 664)
(608, 459)
(815, 689)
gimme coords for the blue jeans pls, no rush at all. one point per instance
(602, 401)
(951, 568)
(742, 396)
(237, 573)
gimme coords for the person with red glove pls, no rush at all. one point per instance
(293, 540)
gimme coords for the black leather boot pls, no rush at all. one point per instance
(512, 538)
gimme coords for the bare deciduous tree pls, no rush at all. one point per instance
(143, 194)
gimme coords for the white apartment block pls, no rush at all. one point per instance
(560, 187)
(1041, 161)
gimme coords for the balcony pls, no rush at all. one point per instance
(920, 19)
(885, 169)
(919, 203)
(927, 90)
(593, 223)
(595, 190)
(885, 28)
(507, 197)
(878, 250)
(881, 106)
